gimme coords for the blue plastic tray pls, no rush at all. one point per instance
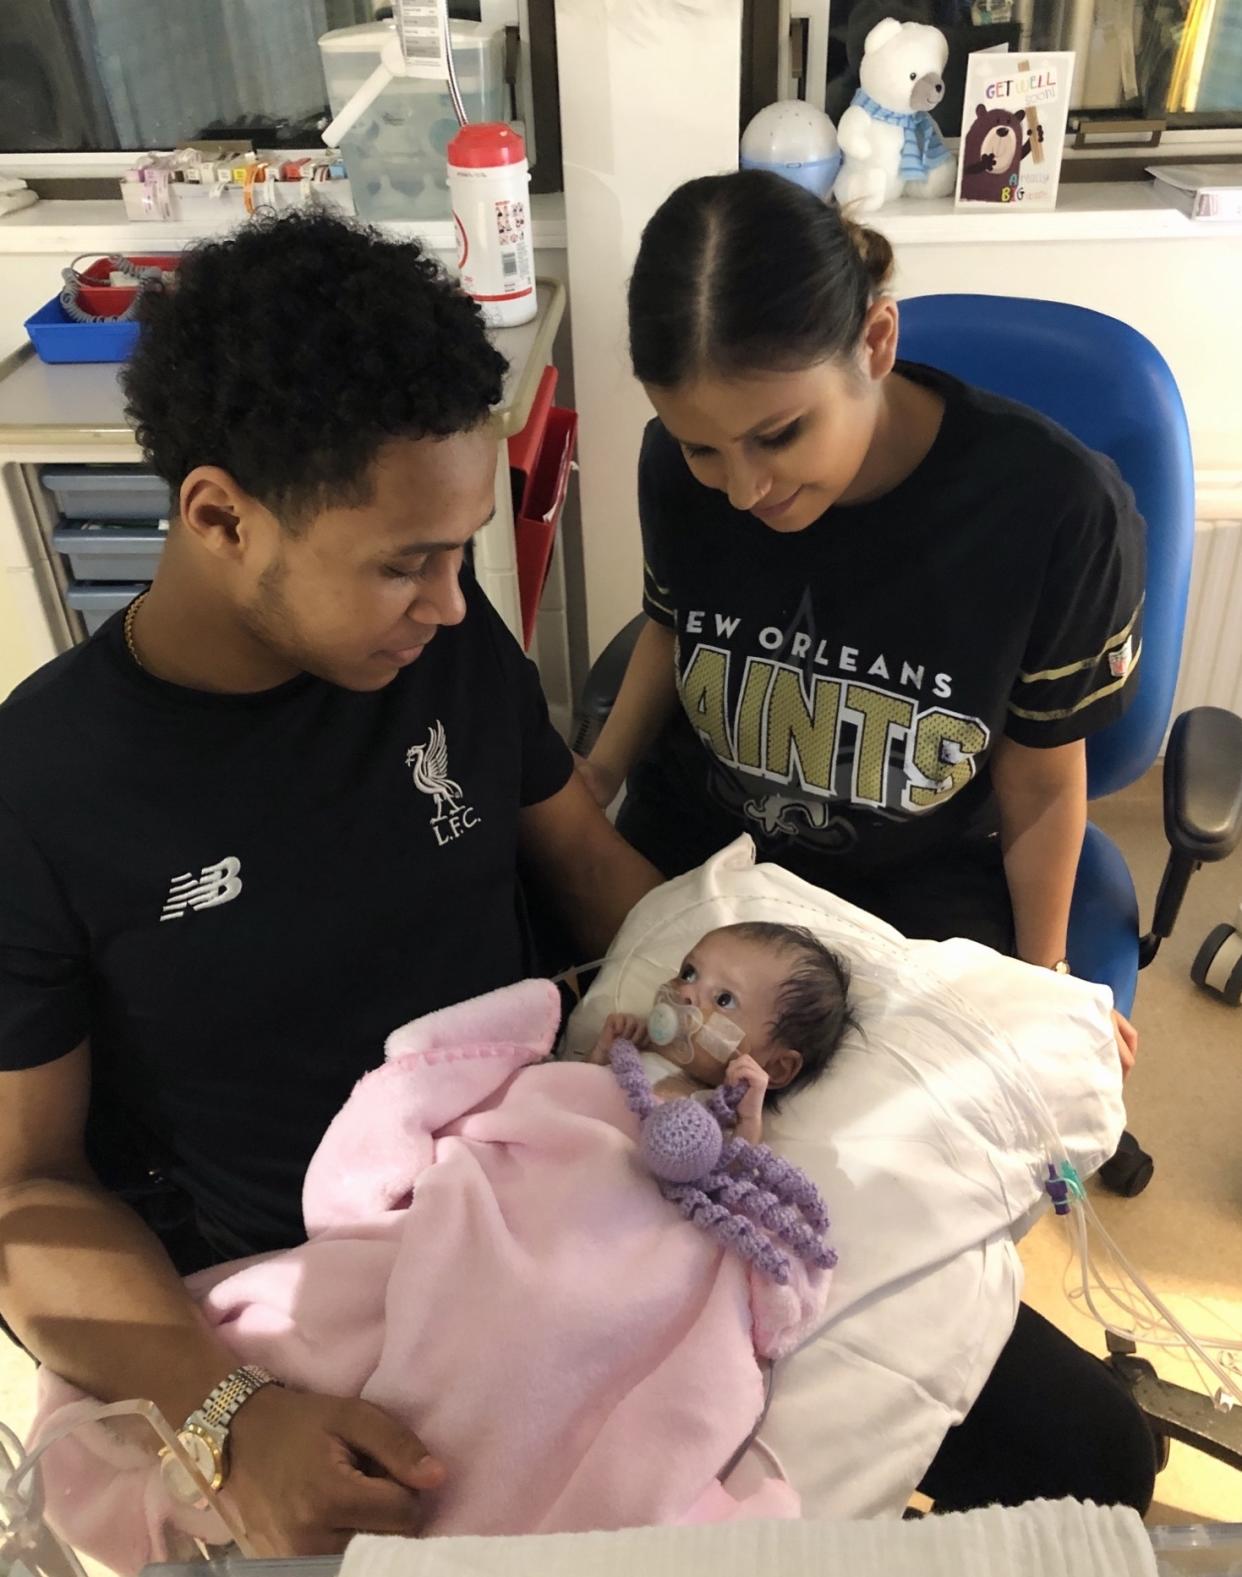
(56, 337)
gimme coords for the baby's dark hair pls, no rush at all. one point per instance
(290, 351)
(813, 1011)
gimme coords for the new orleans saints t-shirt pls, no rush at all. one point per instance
(237, 898)
(842, 687)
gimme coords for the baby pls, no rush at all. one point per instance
(756, 1001)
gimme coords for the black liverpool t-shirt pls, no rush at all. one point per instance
(843, 687)
(238, 897)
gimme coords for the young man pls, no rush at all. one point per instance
(263, 818)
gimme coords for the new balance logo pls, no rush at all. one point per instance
(214, 885)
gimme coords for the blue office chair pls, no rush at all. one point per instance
(1111, 388)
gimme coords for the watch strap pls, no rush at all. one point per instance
(220, 1408)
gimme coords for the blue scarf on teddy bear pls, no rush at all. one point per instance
(922, 149)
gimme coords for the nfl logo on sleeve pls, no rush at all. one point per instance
(1120, 660)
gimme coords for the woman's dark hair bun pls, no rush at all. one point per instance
(875, 252)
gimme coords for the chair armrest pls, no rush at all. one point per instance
(1203, 784)
(1202, 808)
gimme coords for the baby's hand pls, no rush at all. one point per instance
(619, 1026)
(750, 1112)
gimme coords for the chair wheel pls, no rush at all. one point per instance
(1129, 1171)
(1218, 965)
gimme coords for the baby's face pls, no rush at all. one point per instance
(740, 979)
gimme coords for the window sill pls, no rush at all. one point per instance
(1090, 211)
(1103, 211)
(62, 228)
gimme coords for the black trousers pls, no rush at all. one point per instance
(1051, 1420)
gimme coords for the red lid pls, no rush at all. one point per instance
(491, 142)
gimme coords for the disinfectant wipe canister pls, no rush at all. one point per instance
(488, 183)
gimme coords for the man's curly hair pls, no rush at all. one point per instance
(289, 351)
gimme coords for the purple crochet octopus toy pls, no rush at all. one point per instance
(725, 1186)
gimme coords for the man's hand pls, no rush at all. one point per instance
(308, 1472)
(1127, 1042)
(619, 1026)
(750, 1112)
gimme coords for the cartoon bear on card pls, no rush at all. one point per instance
(992, 151)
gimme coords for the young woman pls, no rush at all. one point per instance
(884, 611)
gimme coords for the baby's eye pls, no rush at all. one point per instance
(725, 999)
(688, 973)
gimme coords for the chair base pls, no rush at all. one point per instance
(1176, 1413)
(1130, 1169)
(1218, 964)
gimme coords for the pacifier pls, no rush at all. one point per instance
(676, 1027)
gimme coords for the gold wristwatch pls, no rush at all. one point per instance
(205, 1435)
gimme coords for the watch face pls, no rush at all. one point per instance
(177, 1481)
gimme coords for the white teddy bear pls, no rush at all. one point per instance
(890, 143)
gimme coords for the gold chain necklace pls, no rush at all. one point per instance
(130, 614)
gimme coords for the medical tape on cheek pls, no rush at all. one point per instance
(720, 1038)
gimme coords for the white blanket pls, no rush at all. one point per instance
(929, 1144)
(1044, 1539)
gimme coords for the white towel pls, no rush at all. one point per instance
(1061, 1538)
(10, 202)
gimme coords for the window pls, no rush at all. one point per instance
(100, 75)
(1177, 61)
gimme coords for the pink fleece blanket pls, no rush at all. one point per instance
(489, 1260)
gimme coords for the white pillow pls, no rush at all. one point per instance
(929, 1138)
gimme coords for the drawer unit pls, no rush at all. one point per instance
(85, 492)
(110, 552)
(97, 603)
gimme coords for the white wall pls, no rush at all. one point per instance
(1182, 294)
(26, 282)
(649, 96)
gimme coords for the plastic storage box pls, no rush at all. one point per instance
(395, 152)
(110, 552)
(1202, 1550)
(94, 493)
(97, 604)
(57, 338)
